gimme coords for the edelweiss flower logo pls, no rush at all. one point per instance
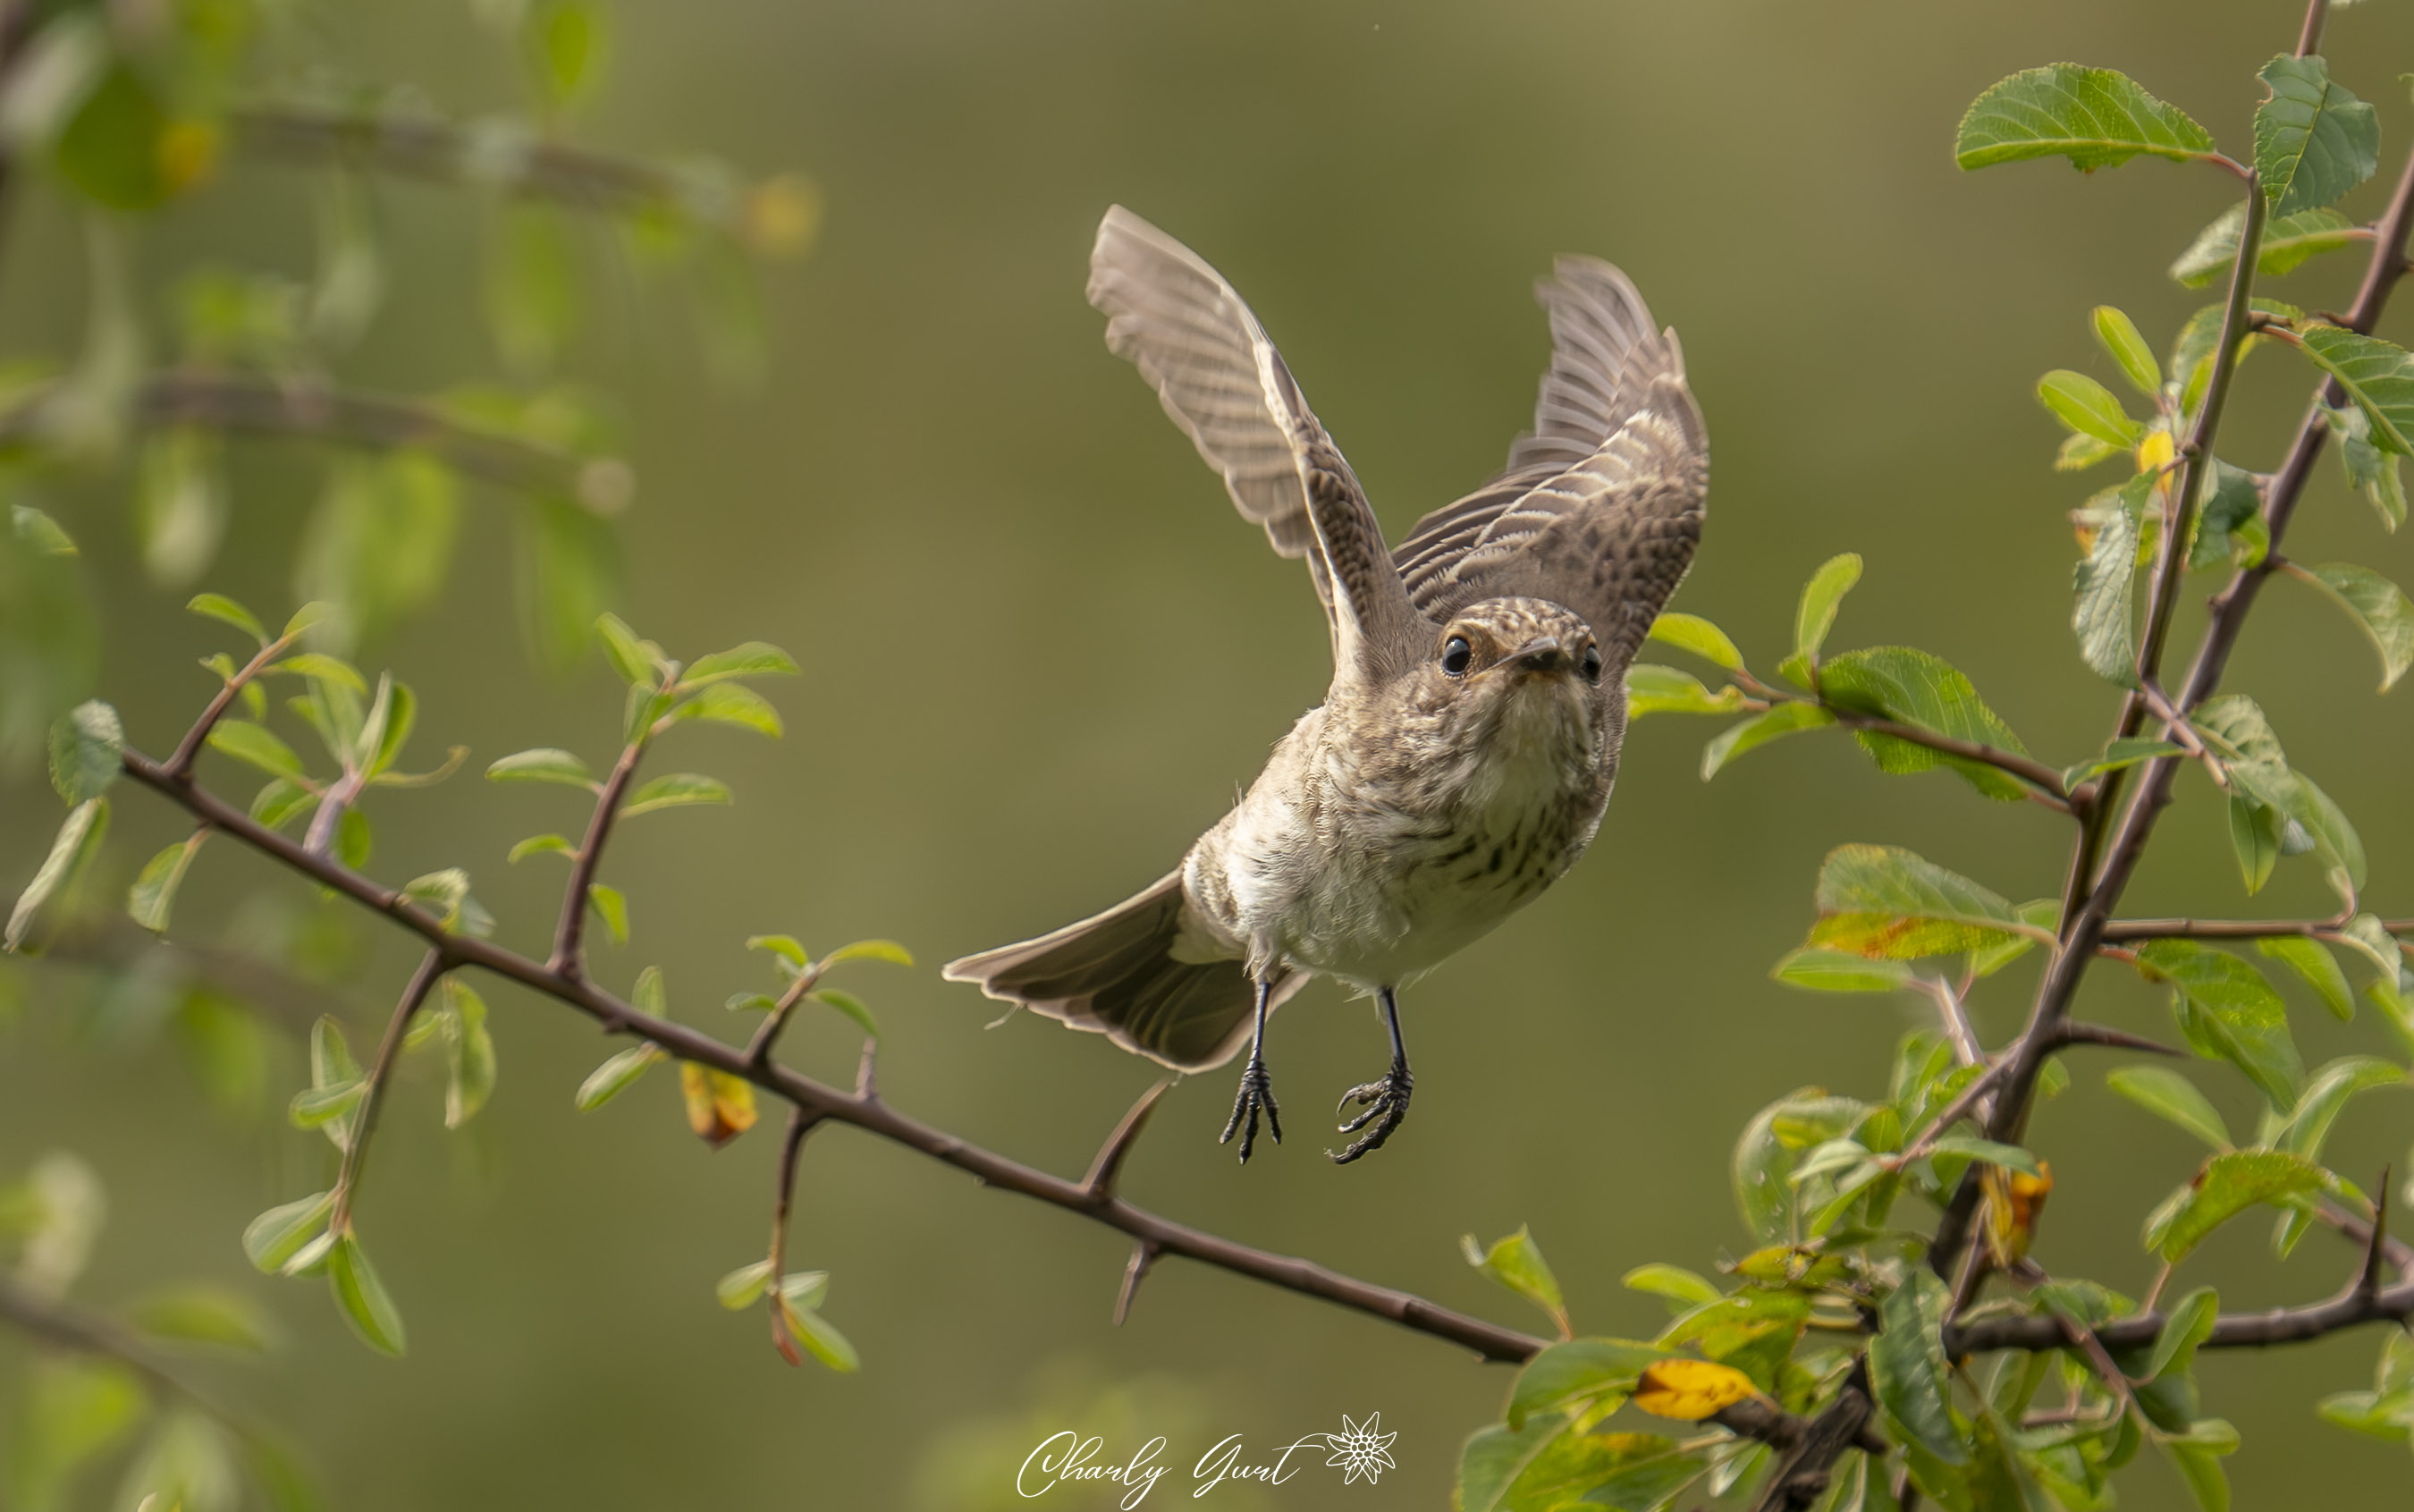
(1359, 1448)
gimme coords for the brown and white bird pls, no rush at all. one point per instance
(1461, 760)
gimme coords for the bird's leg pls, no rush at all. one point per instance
(1257, 1088)
(1385, 1102)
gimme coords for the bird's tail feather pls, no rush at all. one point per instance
(1116, 974)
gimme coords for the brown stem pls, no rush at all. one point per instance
(2351, 1309)
(863, 1111)
(432, 967)
(64, 1325)
(758, 1049)
(800, 1123)
(2237, 929)
(569, 933)
(2050, 789)
(1108, 1167)
(189, 750)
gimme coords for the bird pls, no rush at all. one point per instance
(1465, 752)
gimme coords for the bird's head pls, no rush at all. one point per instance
(1509, 677)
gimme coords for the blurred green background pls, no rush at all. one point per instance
(1040, 653)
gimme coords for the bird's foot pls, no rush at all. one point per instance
(1256, 1092)
(1384, 1103)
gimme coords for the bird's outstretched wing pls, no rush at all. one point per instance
(1179, 322)
(1601, 504)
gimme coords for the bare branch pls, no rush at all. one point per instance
(2050, 790)
(569, 933)
(2232, 1331)
(189, 750)
(2072, 1033)
(2237, 929)
(1812, 1445)
(800, 1123)
(432, 967)
(869, 1112)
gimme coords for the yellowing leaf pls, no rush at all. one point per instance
(1690, 1390)
(720, 1107)
(2013, 1200)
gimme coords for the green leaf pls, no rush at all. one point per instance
(2376, 375)
(2193, 352)
(2288, 241)
(744, 1287)
(888, 951)
(1691, 632)
(2383, 1415)
(72, 856)
(2187, 1325)
(2326, 1095)
(203, 1315)
(2313, 139)
(1494, 1459)
(850, 1005)
(810, 1329)
(750, 1003)
(2312, 959)
(2375, 471)
(2119, 754)
(323, 668)
(1653, 689)
(1516, 1263)
(753, 658)
(1683, 1289)
(1907, 1367)
(541, 845)
(782, 946)
(1842, 971)
(2378, 606)
(2010, 1156)
(2255, 839)
(1758, 1170)
(2078, 453)
(469, 1054)
(256, 745)
(2169, 1096)
(2089, 407)
(363, 1298)
(2229, 1184)
(542, 765)
(1912, 687)
(1751, 734)
(2104, 585)
(731, 703)
(353, 839)
(41, 531)
(1884, 901)
(640, 661)
(678, 790)
(1579, 1373)
(2228, 1010)
(1821, 597)
(320, 1107)
(2118, 336)
(446, 895)
(276, 804)
(568, 42)
(612, 908)
(114, 150)
(613, 1076)
(87, 743)
(276, 1236)
(2095, 117)
(154, 893)
(331, 1055)
(650, 995)
(2229, 522)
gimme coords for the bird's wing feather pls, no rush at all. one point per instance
(1177, 321)
(1601, 504)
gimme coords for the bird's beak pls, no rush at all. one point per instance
(1543, 654)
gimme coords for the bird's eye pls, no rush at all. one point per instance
(1455, 655)
(1592, 663)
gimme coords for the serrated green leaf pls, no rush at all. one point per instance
(2229, 1184)
(731, 703)
(1842, 971)
(87, 747)
(2229, 519)
(1912, 687)
(2104, 587)
(2312, 959)
(1653, 689)
(1885, 903)
(2095, 117)
(542, 765)
(1515, 1261)
(1751, 734)
(2313, 139)
(2369, 469)
(363, 1298)
(2119, 338)
(2288, 241)
(677, 791)
(754, 658)
(2172, 1096)
(2376, 375)
(1907, 1370)
(609, 1080)
(2378, 606)
(256, 745)
(1578, 1373)
(1692, 633)
(2229, 1010)
(2089, 407)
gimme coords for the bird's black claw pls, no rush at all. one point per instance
(1384, 1103)
(1256, 1092)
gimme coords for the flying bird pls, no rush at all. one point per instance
(1463, 756)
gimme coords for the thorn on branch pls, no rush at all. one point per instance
(1099, 1185)
(2075, 1033)
(2375, 1252)
(867, 1084)
(1143, 1255)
